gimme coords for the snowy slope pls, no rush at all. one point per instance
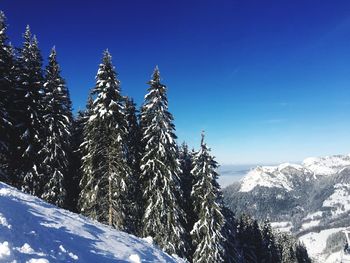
(311, 200)
(283, 175)
(36, 232)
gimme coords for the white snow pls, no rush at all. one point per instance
(275, 176)
(43, 233)
(339, 201)
(26, 249)
(4, 250)
(284, 226)
(267, 176)
(4, 222)
(135, 258)
(315, 242)
(38, 260)
(327, 165)
(309, 224)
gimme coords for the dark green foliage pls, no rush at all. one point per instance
(160, 169)
(207, 238)
(105, 170)
(269, 243)
(133, 158)
(28, 115)
(7, 84)
(75, 172)
(186, 181)
(301, 254)
(57, 142)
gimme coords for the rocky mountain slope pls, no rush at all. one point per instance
(33, 231)
(311, 200)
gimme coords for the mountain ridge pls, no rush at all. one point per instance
(310, 200)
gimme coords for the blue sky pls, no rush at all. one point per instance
(269, 81)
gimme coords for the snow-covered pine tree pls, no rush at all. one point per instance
(6, 99)
(58, 124)
(105, 170)
(133, 157)
(28, 116)
(160, 169)
(206, 234)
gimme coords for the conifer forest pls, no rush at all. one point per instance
(119, 163)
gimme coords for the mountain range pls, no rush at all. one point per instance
(310, 200)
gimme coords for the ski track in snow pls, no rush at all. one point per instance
(32, 231)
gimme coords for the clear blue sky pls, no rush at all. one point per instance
(268, 81)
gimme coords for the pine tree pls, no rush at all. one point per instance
(28, 116)
(207, 235)
(186, 181)
(301, 254)
(160, 169)
(6, 99)
(58, 122)
(233, 253)
(245, 235)
(269, 243)
(105, 171)
(133, 157)
(75, 172)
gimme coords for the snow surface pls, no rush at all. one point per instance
(267, 176)
(327, 165)
(32, 231)
(339, 200)
(284, 226)
(315, 243)
(274, 176)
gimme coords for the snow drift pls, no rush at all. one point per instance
(34, 231)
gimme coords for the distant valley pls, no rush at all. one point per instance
(311, 200)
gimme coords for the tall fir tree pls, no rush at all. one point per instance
(186, 182)
(133, 157)
(7, 82)
(160, 169)
(58, 124)
(75, 172)
(105, 170)
(269, 243)
(207, 237)
(233, 252)
(28, 116)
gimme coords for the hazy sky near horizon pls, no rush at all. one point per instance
(269, 81)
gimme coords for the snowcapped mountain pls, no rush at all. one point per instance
(36, 232)
(311, 200)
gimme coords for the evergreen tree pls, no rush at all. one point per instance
(186, 180)
(233, 253)
(207, 237)
(105, 171)
(245, 235)
(6, 99)
(133, 157)
(58, 122)
(269, 243)
(160, 169)
(75, 172)
(301, 254)
(28, 116)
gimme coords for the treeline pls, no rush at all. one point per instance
(118, 165)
